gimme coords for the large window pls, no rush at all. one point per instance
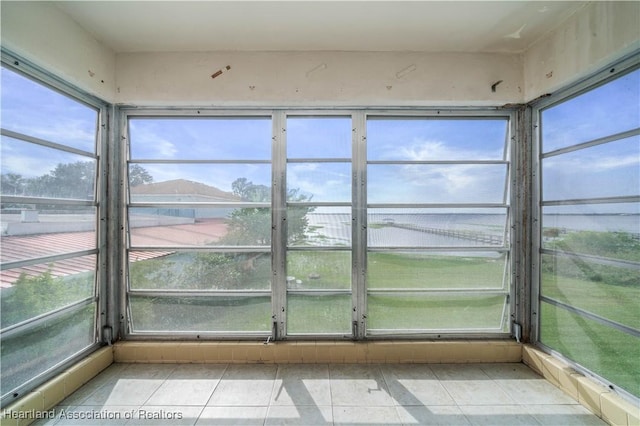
(318, 257)
(437, 212)
(199, 221)
(50, 208)
(589, 240)
(339, 225)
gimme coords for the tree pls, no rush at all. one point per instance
(253, 225)
(12, 184)
(138, 175)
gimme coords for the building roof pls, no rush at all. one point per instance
(184, 188)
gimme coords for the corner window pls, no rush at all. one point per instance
(589, 301)
(49, 205)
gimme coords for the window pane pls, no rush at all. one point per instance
(422, 139)
(417, 312)
(319, 182)
(319, 137)
(606, 351)
(319, 313)
(199, 270)
(443, 183)
(609, 109)
(319, 226)
(36, 171)
(201, 314)
(396, 270)
(29, 354)
(318, 270)
(618, 217)
(45, 231)
(209, 183)
(433, 228)
(37, 289)
(35, 110)
(179, 227)
(607, 170)
(200, 138)
(606, 230)
(608, 291)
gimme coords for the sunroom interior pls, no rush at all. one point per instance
(259, 182)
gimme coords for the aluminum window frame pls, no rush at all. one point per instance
(352, 115)
(607, 74)
(38, 75)
(510, 197)
(125, 290)
(358, 207)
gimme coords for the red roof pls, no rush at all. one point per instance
(24, 247)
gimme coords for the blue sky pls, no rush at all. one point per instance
(607, 170)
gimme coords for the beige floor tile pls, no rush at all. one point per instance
(233, 416)
(431, 415)
(245, 385)
(299, 415)
(411, 384)
(566, 415)
(309, 394)
(190, 384)
(494, 415)
(358, 385)
(372, 415)
(469, 385)
(302, 384)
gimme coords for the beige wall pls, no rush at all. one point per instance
(592, 38)
(318, 78)
(42, 34)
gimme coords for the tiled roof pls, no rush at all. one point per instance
(17, 248)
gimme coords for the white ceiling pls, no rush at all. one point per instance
(424, 26)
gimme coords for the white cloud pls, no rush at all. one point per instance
(434, 150)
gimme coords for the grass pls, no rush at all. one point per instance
(609, 353)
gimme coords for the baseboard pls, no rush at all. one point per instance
(600, 400)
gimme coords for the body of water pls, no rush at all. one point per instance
(450, 230)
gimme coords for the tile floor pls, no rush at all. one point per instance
(320, 394)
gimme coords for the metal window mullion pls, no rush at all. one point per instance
(48, 144)
(32, 323)
(278, 225)
(192, 161)
(438, 162)
(317, 160)
(120, 232)
(593, 258)
(47, 259)
(592, 143)
(169, 293)
(498, 249)
(319, 204)
(359, 228)
(319, 248)
(198, 204)
(212, 249)
(590, 315)
(534, 130)
(44, 200)
(599, 200)
(437, 205)
(516, 226)
(444, 291)
(102, 288)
